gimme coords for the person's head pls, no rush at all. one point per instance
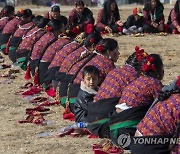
(153, 66)
(164, 95)
(109, 48)
(90, 75)
(136, 58)
(153, 4)
(79, 6)
(55, 11)
(91, 40)
(7, 11)
(42, 22)
(25, 15)
(177, 7)
(110, 6)
(37, 19)
(56, 26)
(137, 13)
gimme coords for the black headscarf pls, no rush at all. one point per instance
(107, 11)
(177, 9)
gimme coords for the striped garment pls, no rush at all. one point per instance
(72, 57)
(61, 54)
(41, 44)
(115, 82)
(174, 19)
(12, 26)
(3, 22)
(162, 118)
(31, 37)
(101, 62)
(141, 91)
(54, 48)
(22, 30)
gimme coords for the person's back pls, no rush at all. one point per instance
(146, 88)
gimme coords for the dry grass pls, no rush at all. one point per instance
(21, 138)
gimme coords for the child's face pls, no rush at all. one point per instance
(91, 80)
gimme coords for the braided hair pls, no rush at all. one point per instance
(136, 58)
(164, 95)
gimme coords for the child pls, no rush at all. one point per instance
(88, 89)
(134, 23)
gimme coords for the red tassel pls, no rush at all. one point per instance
(27, 75)
(36, 78)
(7, 48)
(68, 115)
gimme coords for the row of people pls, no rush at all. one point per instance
(84, 64)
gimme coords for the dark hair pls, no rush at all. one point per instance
(24, 13)
(107, 12)
(6, 11)
(42, 22)
(177, 9)
(63, 19)
(164, 95)
(90, 69)
(157, 62)
(79, 3)
(132, 60)
(147, 5)
(36, 20)
(55, 8)
(107, 44)
(55, 24)
(92, 38)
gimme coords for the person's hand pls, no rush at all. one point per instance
(119, 23)
(108, 29)
(178, 28)
(161, 27)
(154, 24)
(118, 110)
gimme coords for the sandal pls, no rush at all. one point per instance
(80, 132)
(39, 108)
(33, 90)
(36, 119)
(27, 85)
(66, 131)
(38, 99)
(47, 103)
(4, 66)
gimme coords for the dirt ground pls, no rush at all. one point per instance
(22, 138)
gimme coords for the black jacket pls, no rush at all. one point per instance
(81, 104)
(131, 21)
